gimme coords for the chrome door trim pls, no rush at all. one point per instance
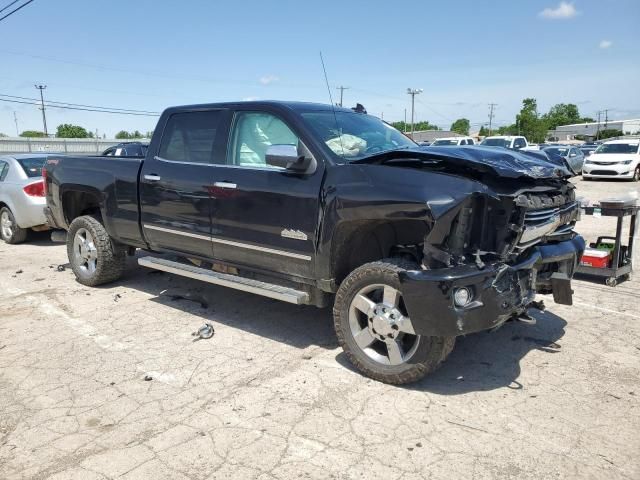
(178, 232)
(225, 185)
(222, 241)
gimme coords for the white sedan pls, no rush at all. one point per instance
(22, 196)
(614, 159)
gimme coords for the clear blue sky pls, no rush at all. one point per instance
(148, 55)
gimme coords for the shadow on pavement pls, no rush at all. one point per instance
(489, 360)
(297, 325)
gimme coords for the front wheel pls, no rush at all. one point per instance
(94, 257)
(375, 330)
(636, 174)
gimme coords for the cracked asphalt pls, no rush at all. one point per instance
(101, 383)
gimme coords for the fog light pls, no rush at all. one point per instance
(461, 297)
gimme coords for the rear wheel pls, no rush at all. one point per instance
(94, 257)
(374, 328)
(9, 229)
(636, 174)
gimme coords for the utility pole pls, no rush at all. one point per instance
(606, 119)
(15, 119)
(44, 116)
(342, 89)
(413, 92)
(491, 107)
(598, 128)
(405, 120)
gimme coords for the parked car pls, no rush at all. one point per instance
(453, 141)
(508, 141)
(587, 150)
(21, 196)
(127, 149)
(614, 159)
(413, 246)
(572, 155)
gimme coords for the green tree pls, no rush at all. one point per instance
(424, 125)
(484, 132)
(610, 132)
(461, 125)
(2, 135)
(562, 114)
(67, 130)
(136, 134)
(149, 134)
(123, 135)
(532, 127)
(32, 134)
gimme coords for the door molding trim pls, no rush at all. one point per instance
(222, 241)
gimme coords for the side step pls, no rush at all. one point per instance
(270, 290)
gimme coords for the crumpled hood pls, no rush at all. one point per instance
(500, 162)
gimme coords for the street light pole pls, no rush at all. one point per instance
(44, 116)
(413, 92)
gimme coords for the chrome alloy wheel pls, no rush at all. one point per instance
(6, 224)
(381, 326)
(86, 254)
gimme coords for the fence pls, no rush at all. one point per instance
(11, 145)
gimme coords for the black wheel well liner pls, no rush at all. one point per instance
(76, 203)
(360, 242)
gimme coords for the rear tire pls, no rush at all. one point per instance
(374, 329)
(10, 232)
(636, 174)
(94, 257)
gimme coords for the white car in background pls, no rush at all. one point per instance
(614, 159)
(22, 196)
(512, 142)
(452, 141)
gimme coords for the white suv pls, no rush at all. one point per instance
(615, 159)
(455, 141)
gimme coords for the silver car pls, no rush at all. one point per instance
(22, 196)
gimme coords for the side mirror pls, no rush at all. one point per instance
(287, 157)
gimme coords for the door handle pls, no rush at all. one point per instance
(225, 185)
(153, 178)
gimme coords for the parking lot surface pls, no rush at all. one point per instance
(109, 383)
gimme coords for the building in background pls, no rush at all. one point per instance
(590, 130)
(431, 135)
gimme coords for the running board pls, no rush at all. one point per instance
(270, 290)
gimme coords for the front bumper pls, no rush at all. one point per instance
(500, 291)
(613, 170)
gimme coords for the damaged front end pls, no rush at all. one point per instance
(485, 259)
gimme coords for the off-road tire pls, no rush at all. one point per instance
(431, 352)
(18, 235)
(111, 257)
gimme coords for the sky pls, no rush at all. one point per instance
(149, 55)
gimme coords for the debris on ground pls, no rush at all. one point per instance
(61, 268)
(204, 332)
(18, 271)
(117, 297)
(186, 296)
(148, 378)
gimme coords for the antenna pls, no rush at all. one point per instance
(333, 107)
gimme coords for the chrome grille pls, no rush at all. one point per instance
(547, 222)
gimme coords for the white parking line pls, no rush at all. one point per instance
(608, 310)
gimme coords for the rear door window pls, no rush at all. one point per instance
(32, 166)
(190, 137)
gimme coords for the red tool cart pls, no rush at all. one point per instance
(619, 259)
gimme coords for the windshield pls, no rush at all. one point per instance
(617, 148)
(558, 151)
(32, 166)
(355, 135)
(496, 142)
(445, 142)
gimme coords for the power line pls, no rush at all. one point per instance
(14, 1)
(82, 109)
(80, 104)
(14, 11)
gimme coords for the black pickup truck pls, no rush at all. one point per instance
(311, 205)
